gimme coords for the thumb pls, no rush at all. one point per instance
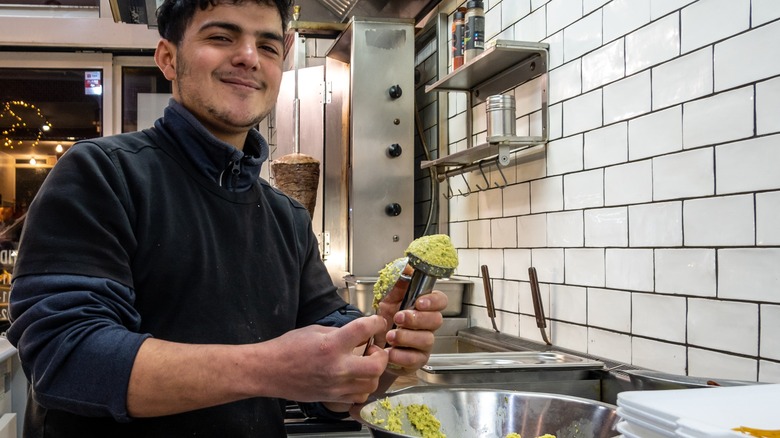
(360, 330)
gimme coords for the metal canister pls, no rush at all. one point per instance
(501, 115)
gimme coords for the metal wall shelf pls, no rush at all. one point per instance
(503, 65)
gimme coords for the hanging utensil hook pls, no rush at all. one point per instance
(481, 171)
(506, 183)
(467, 186)
(449, 194)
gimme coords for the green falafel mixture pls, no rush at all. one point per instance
(436, 250)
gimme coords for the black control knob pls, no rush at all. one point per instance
(393, 209)
(395, 91)
(394, 150)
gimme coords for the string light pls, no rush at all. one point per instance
(11, 110)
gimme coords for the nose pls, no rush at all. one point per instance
(246, 54)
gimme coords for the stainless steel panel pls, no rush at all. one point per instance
(382, 55)
(336, 169)
(348, 122)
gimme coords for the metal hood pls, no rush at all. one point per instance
(340, 11)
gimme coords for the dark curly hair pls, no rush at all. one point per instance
(173, 16)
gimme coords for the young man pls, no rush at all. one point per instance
(162, 289)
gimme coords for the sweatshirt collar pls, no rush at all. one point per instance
(233, 169)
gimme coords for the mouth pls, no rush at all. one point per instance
(245, 83)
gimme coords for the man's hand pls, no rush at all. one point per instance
(411, 342)
(314, 363)
(322, 365)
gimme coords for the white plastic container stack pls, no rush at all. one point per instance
(698, 413)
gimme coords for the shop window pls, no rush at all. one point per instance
(145, 94)
(42, 113)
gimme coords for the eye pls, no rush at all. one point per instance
(219, 38)
(270, 48)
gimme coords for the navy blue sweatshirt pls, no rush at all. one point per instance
(170, 233)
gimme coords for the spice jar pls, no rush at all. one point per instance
(474, 39)
(458, 31)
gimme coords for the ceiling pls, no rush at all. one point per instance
(340, 11)
(57, 97)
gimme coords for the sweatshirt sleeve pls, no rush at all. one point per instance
(77, 340)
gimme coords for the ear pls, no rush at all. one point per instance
(165, 58)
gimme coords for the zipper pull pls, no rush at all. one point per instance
(235, 170)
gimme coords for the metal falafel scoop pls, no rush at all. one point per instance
(432, 257)
(391, 274)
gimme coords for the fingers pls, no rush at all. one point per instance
(426, 314)
(413, 340)
(416, 339)
(407, 359)
(435, 301)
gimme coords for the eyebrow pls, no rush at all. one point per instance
(232, 27)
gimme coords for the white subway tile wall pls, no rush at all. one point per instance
(566, 156)
(582, 37)
(682, 79)
(653, 44)
(627, 98)
(723, 117)
(705, 363)
(684, 175)
(609, 309)
(767, 212)
(651, 215)
(706, 22)
(606, 227)
(655, 134)
(655, 225)
(608, 145)
(768, 106)
(770, 327)
(583, 189)
(658, 317)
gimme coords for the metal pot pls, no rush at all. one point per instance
(361, 293)
(495, 413)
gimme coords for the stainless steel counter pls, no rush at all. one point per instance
(601, 383)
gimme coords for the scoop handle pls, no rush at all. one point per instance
(420, 284)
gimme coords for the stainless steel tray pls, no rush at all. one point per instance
(507, 361)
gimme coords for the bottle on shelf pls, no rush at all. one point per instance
(474, 38)
(458, 32)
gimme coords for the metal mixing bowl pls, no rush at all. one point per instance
(472, 413)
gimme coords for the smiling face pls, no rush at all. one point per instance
(228, 67)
